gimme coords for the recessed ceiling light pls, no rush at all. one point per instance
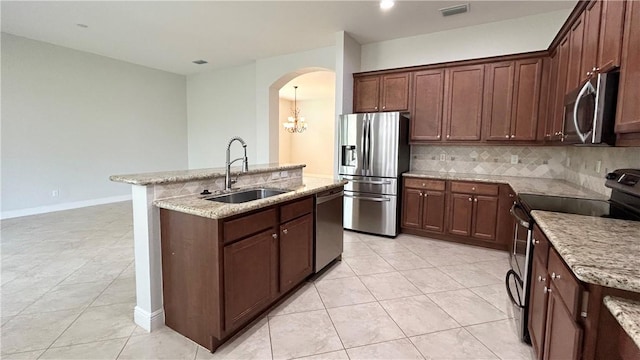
(84, 26)
(200, 62)
(453, 10)
(386, 4)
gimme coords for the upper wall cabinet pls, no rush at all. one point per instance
(511, 99)
(602, 43)
(575, 54)
(426, 105)
(463, 89)
(628, 112)
(375, 93)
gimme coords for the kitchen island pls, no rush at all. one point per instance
(175, 189)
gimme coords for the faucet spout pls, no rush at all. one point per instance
(245, 161)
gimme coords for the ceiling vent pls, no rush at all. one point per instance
(453, 10)
(199, 62)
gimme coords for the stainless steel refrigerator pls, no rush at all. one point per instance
(373, 153)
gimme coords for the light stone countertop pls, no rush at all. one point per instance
(165, 177)
(196, 205)
(599, 251)
(521, 185)
(627, 312)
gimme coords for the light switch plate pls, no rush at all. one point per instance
(443, 157)
(514, 159)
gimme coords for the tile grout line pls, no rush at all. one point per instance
(331, 319)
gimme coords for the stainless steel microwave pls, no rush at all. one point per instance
(589, 111)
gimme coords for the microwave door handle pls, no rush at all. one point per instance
(596, 109)
(587, 87)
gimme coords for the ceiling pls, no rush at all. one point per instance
(169, 35)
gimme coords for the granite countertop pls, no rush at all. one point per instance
(627, 312)
(166, 177)
(521, 185)
(196, 205)
(599, 251)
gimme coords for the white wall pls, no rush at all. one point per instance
(70, 119)
(221, 105)
(523, 34)
(284, 145)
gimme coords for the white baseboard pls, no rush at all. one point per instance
(64, 206)
(148, 321)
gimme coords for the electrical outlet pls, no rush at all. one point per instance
(55, 193)
(284, 174)
(443, 157)
(568, 161)
(598, 166)
(514, 159)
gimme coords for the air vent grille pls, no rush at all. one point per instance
(453, 10)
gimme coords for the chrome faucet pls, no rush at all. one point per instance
(245, 162)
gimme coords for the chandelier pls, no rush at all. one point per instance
(296, 123)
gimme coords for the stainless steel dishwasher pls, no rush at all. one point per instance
(329, 230)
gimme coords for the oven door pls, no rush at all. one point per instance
(579, 114)
(518, 277)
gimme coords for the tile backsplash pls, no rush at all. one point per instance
(576, 164)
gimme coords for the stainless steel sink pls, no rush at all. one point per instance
(246, 195)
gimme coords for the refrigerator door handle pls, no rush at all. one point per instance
(369, 182)
(369, 142)
(368, 198)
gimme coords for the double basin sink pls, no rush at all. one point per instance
(246, 195)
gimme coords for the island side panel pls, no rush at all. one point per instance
(148, 312)
(191, 276)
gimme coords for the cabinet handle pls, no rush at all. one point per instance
(384, 107)
(513, 136)
(285, 231)
(541, 279)
(507, 136)
(275, 236)
(375, 107)
(438, 137)
(511, 195)
(470, 199)
(536, 242)
(425, 194)
(554, 276)
(546, 290)
(473, 188)
(423, 184)
(448, 136)
(420, 194)
(475, 200)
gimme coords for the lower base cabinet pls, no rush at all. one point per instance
(468, 212)
(563, 339)
(218, 275)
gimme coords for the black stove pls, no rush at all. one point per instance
(588, 207)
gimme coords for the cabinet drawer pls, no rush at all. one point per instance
(249, 224)
(566, 284)
(474, 188)
(541, 245)
(427, 184)
(296, 209)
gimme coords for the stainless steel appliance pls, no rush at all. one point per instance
(589, 111)
(328, 239)
(373, 153)
(623, 204)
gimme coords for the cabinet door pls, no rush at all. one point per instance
(395, 92)
(498, 99)
(538, 306)
(485, 215)
(563, 337)
(526, 97)
(551, 97)
(611, 28)
(412, 205)
(426, 112)
(463, 102)
(461, 213)
(592, 16)
(561, 88)
(366, 94)
(296, 250)
(628, 112)
(250, 267)
(433, 205)
(575, 54)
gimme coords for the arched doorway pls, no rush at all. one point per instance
(316, 102)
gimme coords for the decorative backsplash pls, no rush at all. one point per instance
(273, 179)
(576, 164)
(544, 162)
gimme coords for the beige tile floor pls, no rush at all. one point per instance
(68, 292)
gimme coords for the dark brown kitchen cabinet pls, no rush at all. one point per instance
(375, 93)
(538, 305)
(512, 96)
(463, 91)
(424, 204)
(485, 214)
(589, 63)
(220, 274)
(563, 336)
(575, 54)
(611, 29)
(557, 120)
(296, 251)
(460, 214)
(249, 288)
(550, 121)
(628, 111)
(426, 105)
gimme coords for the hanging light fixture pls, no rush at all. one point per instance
(296, 123)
